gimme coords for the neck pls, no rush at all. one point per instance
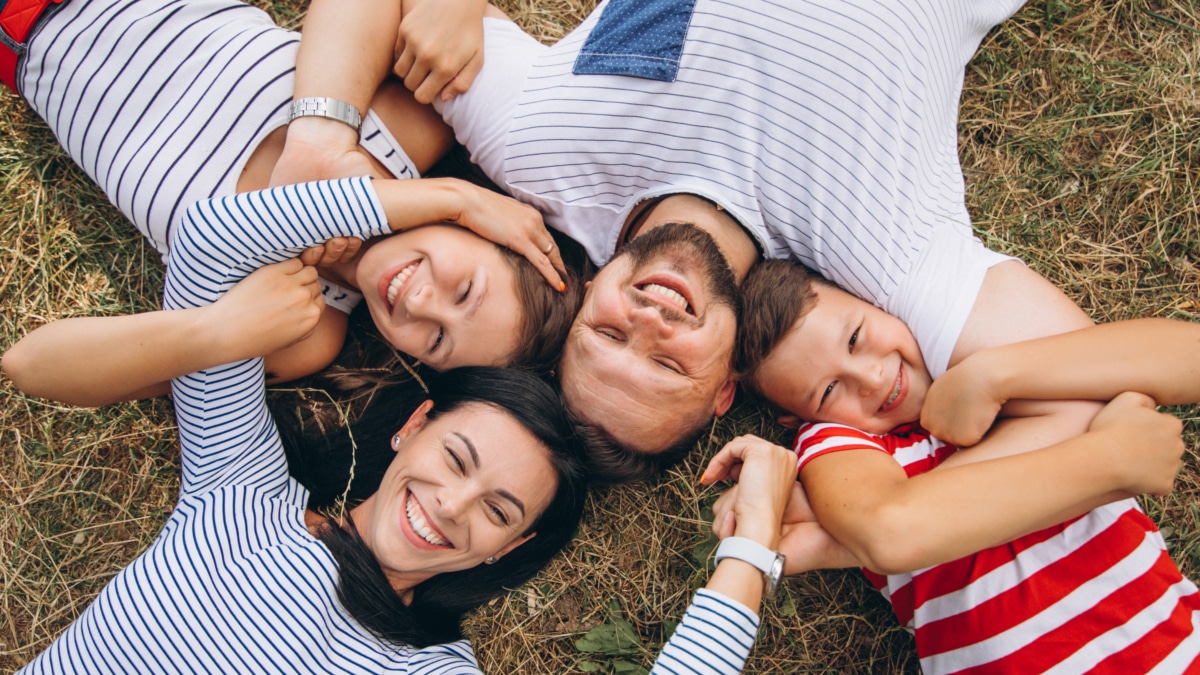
(735, 243)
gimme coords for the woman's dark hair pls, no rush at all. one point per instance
(438, 604)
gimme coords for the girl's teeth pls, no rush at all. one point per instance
(417, 520)
(398, 282)
(671, 295)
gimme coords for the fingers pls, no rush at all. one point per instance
(462, 82)
(548, 262)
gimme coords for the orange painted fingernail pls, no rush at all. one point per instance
(562, 286)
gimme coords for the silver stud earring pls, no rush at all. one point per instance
(491, 560)
(395, 441)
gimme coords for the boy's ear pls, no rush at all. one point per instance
(790, 421)
(414, 424)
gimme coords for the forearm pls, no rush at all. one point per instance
(346, 49)
(900, 524)
(1156, 357)
(94, 361)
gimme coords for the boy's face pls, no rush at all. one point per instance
(847, 362)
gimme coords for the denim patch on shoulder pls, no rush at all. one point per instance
(641, 38)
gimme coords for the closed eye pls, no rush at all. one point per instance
(457, 462)
(437, 342)
(500, 514)
(466, 293)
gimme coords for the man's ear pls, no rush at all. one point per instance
(725, 396)
(414, 424)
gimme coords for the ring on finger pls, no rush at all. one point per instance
(549, 247)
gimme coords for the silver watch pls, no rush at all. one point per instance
(750, 551)
(323, 106)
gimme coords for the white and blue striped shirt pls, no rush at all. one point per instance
(235, 582)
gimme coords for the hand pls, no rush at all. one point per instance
(962, 404)
(272, 308)
(320, 149)
(1151, 442)
(808, 546)
(766, 478)
(797, 510)
(516, 226)
(339, 250)
(439, 49)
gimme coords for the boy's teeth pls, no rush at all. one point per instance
(417, 520)
(398, 281)
(895, 393)
(671, 295)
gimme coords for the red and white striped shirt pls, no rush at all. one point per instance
(1096, 594)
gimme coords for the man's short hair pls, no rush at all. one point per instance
(611, 463)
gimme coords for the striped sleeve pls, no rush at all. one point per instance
(814, 440)
(455, 658)
(226, 434)
(715, 636)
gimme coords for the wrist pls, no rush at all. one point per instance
(322, 132)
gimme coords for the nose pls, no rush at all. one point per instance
(423, 303)
(453, 502)
(870, 376)
(648, 322)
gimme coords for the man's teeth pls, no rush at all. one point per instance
(417, 520)
(669, 294)
(398, 282)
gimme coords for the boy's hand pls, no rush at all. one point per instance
(439, 50)
(1151, 442)
(335, 251)
(962, 404)
(272, 308)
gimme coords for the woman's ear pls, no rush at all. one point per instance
(513, 544)
(414, 424)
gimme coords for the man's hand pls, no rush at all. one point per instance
(272, 308)
(320, 149)
(439, 49)
(962, 404)
(339, 250)
(1151, 441)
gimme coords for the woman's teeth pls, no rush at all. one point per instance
(420, 526)
(673, 296)
(398, 282)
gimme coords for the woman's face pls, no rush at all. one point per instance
(462, 488)
(443, 295)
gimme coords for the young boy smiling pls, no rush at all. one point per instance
(1082, 583)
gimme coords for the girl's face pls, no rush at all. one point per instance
(443, 295)
(847, 362)
(463, 487)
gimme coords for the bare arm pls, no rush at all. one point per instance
(93, 361)
(1157, 357)
(897, 524)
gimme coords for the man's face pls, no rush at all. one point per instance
(648, 357)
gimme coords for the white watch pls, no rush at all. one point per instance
(750, 551)
(323, 106)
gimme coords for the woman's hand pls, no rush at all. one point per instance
(516, 226)
(962, 404)
(439, 49)
(272, 308)
(766, 478)
(336, 251)
(1151, 442)
(320, 149)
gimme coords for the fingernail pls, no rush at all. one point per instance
(562, 286)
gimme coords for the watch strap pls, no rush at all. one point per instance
(323, 106)
(747, 550)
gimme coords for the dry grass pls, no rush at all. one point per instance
(1080, 136)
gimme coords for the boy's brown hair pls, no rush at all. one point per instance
(775, 295)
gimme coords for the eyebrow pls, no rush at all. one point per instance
(475, 460)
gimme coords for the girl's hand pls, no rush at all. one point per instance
(766, 478)
(320, 149)
(439, 49)
(1150, 442)
(808, 546)
(272, 308)
(962, 404)
(516, 226)
(339, 250)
